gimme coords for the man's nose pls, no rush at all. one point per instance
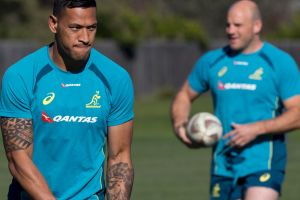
(230, 29)
(84, 36)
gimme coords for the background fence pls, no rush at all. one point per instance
(155, 65)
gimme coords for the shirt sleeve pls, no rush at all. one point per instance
(289, 78)
(14, 100)
(199, 76)
(122, 102)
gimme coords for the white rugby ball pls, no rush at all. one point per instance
(204, 128)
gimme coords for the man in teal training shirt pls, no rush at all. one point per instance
(60, 107)
(256, 95)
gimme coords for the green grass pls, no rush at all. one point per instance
(5, 177)
(167, 170)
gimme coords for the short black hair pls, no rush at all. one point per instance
(59, 5)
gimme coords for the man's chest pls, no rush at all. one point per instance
(72, 99)
(242, 76)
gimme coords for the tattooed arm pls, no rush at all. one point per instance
(119, 167)
(18, 143)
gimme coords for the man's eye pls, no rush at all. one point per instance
(92, 28)
(74, 28)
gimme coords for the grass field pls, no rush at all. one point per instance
(167, 170)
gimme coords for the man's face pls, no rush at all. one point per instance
(240, 29)
(76, 31)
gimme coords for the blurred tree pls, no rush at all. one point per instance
(212, 14)
(23, 19)
(289, 30)
(129, 21)
(10, 13)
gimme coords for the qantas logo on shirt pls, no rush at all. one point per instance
(70, 119)
(236, 86)
(46, 118)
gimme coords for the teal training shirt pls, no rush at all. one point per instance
(71, 114)
(247, 88)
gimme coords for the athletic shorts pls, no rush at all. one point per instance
(224, 188)
(98, 196)
(16, 192)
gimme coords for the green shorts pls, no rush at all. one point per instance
(224, 188)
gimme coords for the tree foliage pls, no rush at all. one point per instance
(130, 21)
(289, 30)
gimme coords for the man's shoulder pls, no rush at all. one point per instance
(214, 53)
(213, 56)
(276, 56)
(271, 49)
(28, 62)
(22, 74)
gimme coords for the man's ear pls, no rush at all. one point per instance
(257, 26)
(52, 23)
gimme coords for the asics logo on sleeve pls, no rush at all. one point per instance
(49, 98)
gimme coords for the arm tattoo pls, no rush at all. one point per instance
(120, 180)
(17, 133)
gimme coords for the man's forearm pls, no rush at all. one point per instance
(288, 121)
(120, 178)
(18, 143)
(180, 110)
(26, 173)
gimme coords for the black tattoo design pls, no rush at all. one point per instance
(17, 133)
(120, 181)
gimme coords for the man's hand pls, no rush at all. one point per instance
(181, 133)
(243, 134)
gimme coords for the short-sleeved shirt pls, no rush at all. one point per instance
(247, 88)
(71, 113)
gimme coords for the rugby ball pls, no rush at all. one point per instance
(204, 128)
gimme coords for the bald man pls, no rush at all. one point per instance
(256, 93)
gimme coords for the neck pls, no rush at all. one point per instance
(64, 61)
(254, 46)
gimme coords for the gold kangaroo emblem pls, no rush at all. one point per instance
(257, 75)
(94, 102)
